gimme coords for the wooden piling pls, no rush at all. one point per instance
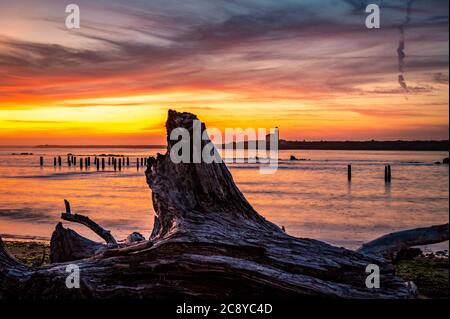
(86, 162)
(114, 163)
(389, 173)
(386, 174)
(120, 164)
(98, 164)
(137, 163)
(54, 161)
(81, 163)
(74, 161)
(109, 161)
(103, 163)
(349, 173)
(128, 161)
(59, 161)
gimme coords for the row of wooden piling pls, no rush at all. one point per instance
(117, 163)
(99, 162)
(387, 173)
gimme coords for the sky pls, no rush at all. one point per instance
(310, 67)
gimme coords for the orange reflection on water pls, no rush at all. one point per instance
(310, 198)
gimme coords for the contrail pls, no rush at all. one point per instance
(401, 81)
(401, 45)
(401, 51)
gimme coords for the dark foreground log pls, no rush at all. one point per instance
(207, 242)
(391, 244)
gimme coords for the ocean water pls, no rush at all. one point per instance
(311, 198)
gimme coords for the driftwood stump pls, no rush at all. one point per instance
(207, 242)
(67, 245)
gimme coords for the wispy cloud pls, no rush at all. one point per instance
(272, 52)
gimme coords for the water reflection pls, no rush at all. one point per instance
(310, 198)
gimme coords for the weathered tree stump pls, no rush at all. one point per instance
(207, 242)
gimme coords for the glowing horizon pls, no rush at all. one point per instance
(311, 69)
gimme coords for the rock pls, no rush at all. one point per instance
(293, 158)
(437, 163)
(441, 253)
(408, 253)
(134, 237)
(412, 287)
(445, 160)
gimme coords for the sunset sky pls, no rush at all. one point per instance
(311, 68)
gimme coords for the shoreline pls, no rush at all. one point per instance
(30, 253)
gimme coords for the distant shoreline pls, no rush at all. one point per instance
(442, 145)
(367, 145)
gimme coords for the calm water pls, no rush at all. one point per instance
(310, 198)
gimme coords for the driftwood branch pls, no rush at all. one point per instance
(86, 221)
(207, 242)
(41, 262)
(67, 204)
(67, 245)
(389, 245)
